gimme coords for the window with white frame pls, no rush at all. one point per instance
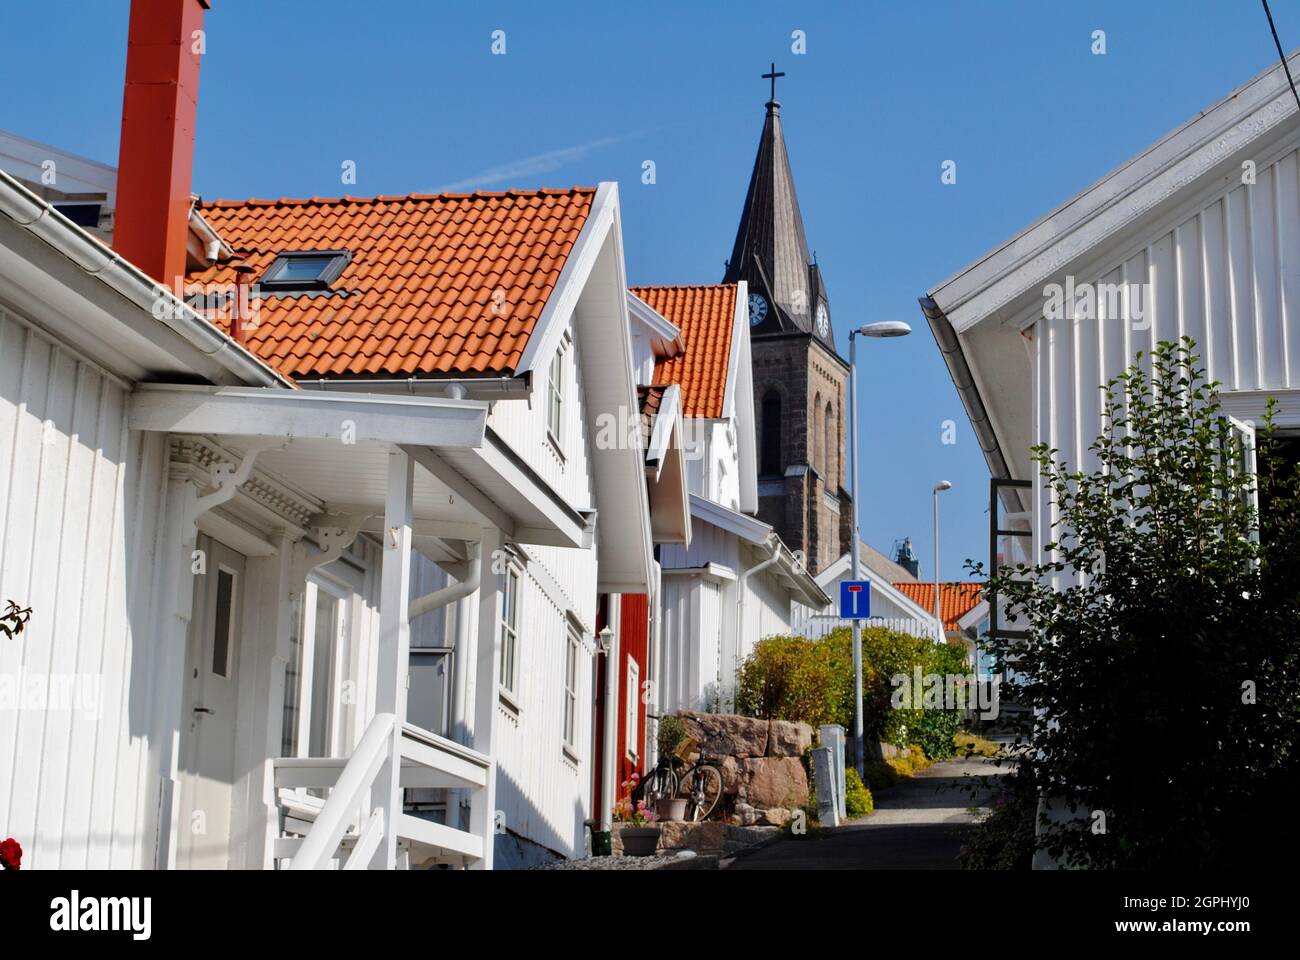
(317, 678)
(510, 632)
(555, 394)
(573, 646)
(632, 704)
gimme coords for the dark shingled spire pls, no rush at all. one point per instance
(771, 250)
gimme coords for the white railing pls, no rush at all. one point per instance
(350, 790)
(352, 824)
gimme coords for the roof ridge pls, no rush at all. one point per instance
(680, 286)
(397, 198)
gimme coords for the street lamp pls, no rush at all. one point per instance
(939, 488)
(884, 328)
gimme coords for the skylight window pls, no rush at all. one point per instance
(305, 270)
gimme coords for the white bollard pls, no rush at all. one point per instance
(833, 736)
(828, 804)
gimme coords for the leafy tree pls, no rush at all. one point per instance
(1163, 658)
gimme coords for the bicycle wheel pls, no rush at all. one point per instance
(659, 783)
(705, 792)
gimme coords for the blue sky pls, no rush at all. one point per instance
(410, 91)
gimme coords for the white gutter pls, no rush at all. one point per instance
(476, 387)
(451, 593)
(95, 259)
(609, 755)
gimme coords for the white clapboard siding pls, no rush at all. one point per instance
(81, 496)
(541, 792)
(709, 544)
(1225, 271)
(522, 425)
(692, 639)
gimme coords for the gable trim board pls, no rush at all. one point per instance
(1184, 186)
(841, 568)
(802, 585)
(667, 335)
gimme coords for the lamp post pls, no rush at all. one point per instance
(885, 328)
(939, 488)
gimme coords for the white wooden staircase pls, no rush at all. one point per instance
(349, 828)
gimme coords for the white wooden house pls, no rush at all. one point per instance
(735, 581)
(1198, 234)
(314, 549)
(890, 606)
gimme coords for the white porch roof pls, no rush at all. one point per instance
(335, 447)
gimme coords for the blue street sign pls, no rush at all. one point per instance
(855, 599)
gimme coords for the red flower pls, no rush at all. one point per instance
(11, 854)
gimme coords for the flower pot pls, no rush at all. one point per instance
(639, 841)
(671, 808)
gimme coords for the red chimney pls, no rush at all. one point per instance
(157, 151)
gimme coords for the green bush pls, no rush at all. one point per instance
(671, 733)
(858, 801)
(934, 730)
(1167, 661)
(1004, 839)
(793, 678)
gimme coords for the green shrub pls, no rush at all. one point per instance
(671, 733)
(1174, 628)
(934, 729)
(1004, 839)
(793, 678)
(858, 801)
(879, 774)
(973, 745)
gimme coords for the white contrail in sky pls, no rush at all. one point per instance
(529, 166)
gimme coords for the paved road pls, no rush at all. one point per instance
(918, 825)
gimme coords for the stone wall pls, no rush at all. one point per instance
(762, 762)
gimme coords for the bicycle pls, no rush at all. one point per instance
(674, 777)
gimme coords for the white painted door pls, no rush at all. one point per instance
(212, 684)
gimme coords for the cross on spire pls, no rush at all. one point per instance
(772, 76)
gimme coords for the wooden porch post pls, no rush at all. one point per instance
(176, 596)
(394, 645)
(482, 809)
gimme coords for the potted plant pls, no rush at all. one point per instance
(670, 736)
(640, 833)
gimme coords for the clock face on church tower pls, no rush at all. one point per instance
(757, 309)
(823, 320)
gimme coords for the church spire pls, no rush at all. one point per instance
(771, 250)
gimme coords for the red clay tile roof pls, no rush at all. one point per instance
(706, 316)
(651, 399)
(423, 281)
(955, 599)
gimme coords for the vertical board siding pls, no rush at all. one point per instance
(1226, 274)
(71, 777)
(540, 791)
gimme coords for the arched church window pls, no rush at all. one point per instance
(832, 449)
(816, 448)
(770, 446)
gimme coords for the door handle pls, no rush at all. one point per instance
(202, 710)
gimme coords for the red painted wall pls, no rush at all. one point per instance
(634, 642)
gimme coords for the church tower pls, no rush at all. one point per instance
(799, 378)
